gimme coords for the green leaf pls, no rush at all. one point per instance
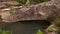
(11, 10)
(51, 30)
(39, 32)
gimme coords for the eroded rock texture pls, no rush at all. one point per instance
(43, 11)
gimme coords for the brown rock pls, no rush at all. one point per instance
(43, 11)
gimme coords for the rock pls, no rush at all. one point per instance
(11, 3)
(42, 11)
(2, 5)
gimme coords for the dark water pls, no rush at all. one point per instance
(26, 27)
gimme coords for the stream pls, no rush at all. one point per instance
(26, 27)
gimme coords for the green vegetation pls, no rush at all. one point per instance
(11, 10)
(51, 30)
(5, 32)
(39, 32)
(45, 0)
(21, 1)
(58, 24)
(31, 1)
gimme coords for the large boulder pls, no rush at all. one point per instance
(44, 11)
